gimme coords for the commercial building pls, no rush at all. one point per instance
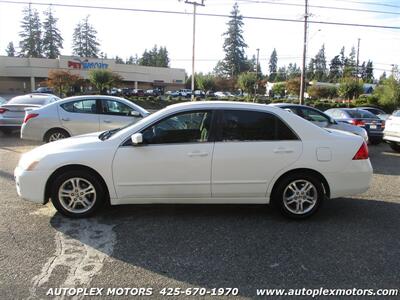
(21, 75)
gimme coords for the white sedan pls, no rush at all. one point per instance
(79, 115)
(199, 152)
(391, 134)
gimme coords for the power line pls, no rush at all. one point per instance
(200, 14)
(369, 3)
(322, 7)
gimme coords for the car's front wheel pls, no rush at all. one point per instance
(55, 135)
(299, 196)
(395, 147)
(77, 194)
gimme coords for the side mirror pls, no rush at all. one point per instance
(137, 139)
(134, 113)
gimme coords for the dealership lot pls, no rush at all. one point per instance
(352, 242)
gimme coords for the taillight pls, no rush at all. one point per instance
(362, 153)
(3, 110)
(29, 116)
(383, 124)
(357, 122)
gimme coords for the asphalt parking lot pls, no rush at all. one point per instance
(351, 242)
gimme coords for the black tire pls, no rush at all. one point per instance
(282, 188)
(49, 136)
(395, 147)
(375, 141)
(6, 131)
(100, 196)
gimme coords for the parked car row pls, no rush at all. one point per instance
(128, 92)
(45, 117)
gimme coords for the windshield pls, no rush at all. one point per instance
(109, 133)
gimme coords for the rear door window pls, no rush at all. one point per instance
(241, 125)
(81, 106)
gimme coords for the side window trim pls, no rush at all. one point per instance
(81, 100)
(211, 139)
(219, 123)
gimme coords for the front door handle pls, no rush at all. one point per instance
(65, 119)
(283, 150)
(197, 153)
(106, 121)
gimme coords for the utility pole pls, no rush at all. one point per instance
(256, 83)
(195, 4)
(303, 70)
(358, 58)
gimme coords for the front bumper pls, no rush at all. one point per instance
(31, 184)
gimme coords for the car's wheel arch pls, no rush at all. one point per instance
(54, 129)
(72, 167)
(308, 171)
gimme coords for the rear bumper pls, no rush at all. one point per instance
(355, 179)
(31, 184)
(31, 133)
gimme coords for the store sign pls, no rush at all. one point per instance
(86, 64)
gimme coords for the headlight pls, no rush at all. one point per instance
(32, 166)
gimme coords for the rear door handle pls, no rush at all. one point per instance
(65, 119)
(283, 150)
(106, 121)
(196, 153)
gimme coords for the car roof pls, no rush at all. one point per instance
(222, 105)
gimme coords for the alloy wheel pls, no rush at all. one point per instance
(300, 197)
(77, 195)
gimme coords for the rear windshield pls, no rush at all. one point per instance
(361, 114)
(35, 101)
(396, 113)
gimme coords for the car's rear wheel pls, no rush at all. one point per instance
(395, 147)
(55, 135)
(299, 196)
(77, 194)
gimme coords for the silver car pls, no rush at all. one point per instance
(12, 113)
(321, 119)
(79, 115)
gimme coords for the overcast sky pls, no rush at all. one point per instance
(126, 33)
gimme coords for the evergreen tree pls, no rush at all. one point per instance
(132, 60)
(335, 69)
(310, 71)
(10, 50)
(350, 64)
(273, 66)
(31, 34)
(155, 57)
(383, 77)
(369, 72)
(119, 60)
(320, 65)
(84, 38)
(52, 40)
(281, 74)
(293, 71)
(235, 60)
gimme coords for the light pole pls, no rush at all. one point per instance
(195, 4)
(303, 70)
(256, 83)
